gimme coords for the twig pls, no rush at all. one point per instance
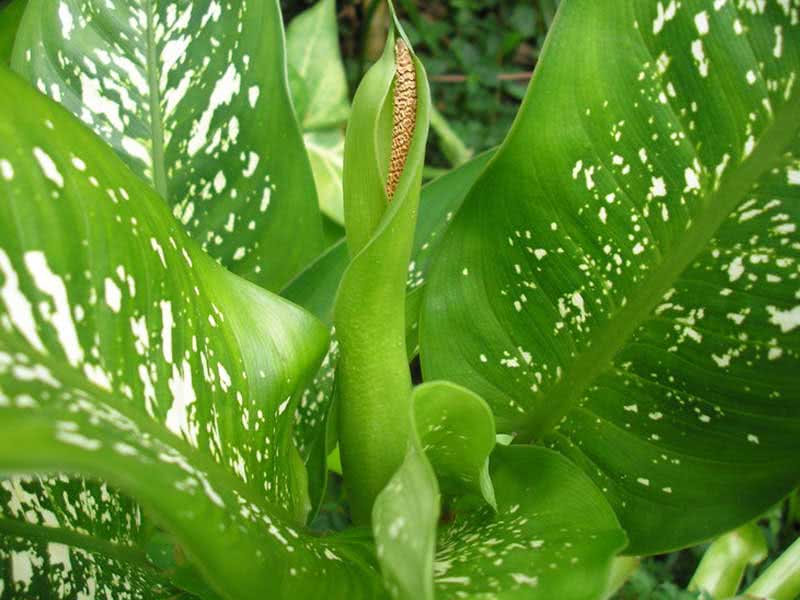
(523, 76)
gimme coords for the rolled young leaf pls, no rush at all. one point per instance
(620, 283)
(315, 290)
(127, 354)
(194, 97)
(373, 380)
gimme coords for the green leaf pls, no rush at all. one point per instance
(455, 430)
(319, 88)
(52, 548)
(452, 146)
(451, 436)
(781, 580)
(316, 73)
(315, 290)
(373, 379)
(326, 153)
(201, 113)
(621, 280)
(553, 535)
(10, 16)
(440, 201)
(127, 354)
(722, 568)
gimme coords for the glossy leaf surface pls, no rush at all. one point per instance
(621, 281)
(194, 98)
(451, 436)
(552, 535)
(131, 356)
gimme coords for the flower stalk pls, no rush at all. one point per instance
(384, 156)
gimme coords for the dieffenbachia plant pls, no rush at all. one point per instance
(614, 290)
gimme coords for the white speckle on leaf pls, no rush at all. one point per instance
(19, 308)
(67, 22)
(252, 95)
(787, 320)
(701, 22)
(692, 179)
(522, 579)
(137, 150)
(6, 170)
(113, 295)
(225, 89)
(183, 394)
(735, 268)
(61, 319)
(49, 168)
(658, 188)
(699, 55)
(167, 323)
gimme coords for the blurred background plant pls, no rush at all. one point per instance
(479, 55)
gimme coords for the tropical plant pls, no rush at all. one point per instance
(605, 309)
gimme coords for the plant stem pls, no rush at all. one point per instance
(621, 570)
(781, 580)
(720, 572)
(452, 146)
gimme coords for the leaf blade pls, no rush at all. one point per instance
(160, 88)
(612, 305)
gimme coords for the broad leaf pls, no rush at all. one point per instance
(319, 89)
(194, 98)
(451, 436)
(53, 549)
(326, 153)
(316, 72)
(128, 354)
(553, 534)
(621, 282)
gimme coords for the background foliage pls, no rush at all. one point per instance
(479, 55)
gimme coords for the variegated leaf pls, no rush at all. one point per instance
(128, 354)
(621, 282)
(193, 96)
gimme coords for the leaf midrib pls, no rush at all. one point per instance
(156, 132)
(126, 554)
(618, 330)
